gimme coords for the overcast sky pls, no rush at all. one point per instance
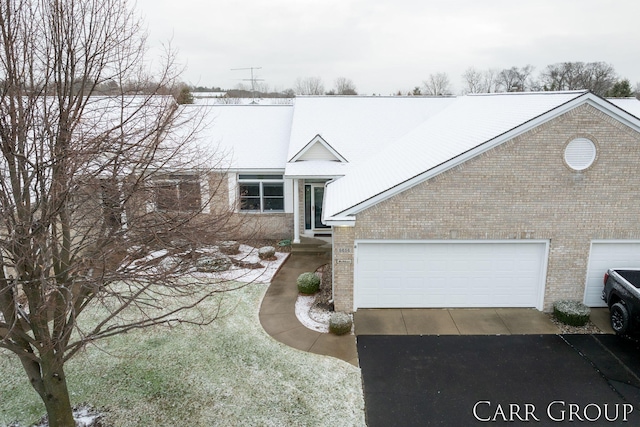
(388, 45)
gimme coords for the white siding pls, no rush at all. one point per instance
(318, 152)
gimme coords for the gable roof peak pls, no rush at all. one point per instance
(318, 149)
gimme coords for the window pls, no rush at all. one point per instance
(178, 193)
(261, 193)
(111, 205)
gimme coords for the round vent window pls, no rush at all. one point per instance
(580, 154)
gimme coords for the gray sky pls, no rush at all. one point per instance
(388, 45)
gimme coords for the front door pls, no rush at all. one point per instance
(313, 196)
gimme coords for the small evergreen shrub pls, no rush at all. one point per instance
(571, 313)
(340, 323)
(308, 283)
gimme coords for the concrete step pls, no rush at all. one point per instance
(311, 248)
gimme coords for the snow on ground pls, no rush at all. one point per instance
(230, 372)
(85, 416)
(248, 255)
(303, 308)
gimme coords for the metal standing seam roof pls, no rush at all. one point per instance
(630, 105)
(357, 127)
(387, 141)
(251, 136)
(463, 125)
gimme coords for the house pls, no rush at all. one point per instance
(491, 200)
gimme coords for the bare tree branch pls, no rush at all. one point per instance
(437, 85)
(309, 86)
(100, 169)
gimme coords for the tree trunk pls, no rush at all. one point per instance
(55, 395)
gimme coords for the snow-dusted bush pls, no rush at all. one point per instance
(213, 263)
(266, 252)
(572, 313)
(308, 283)
(229, 247)
(340, 323)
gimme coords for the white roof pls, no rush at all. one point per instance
(631, 105)
(252, 136)
(358, 126)
(464, 125)
(385, 144)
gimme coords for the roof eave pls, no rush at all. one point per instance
(583, 98)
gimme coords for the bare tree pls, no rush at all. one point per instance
(598, 77)
(309, 86)
(89, 185)
(480, 81)
(473, 81)
(515, 79)
(437, 85)
(344, 86)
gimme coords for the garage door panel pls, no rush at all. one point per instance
(469, 274)
(603, 256)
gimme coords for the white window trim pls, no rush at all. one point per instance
(241, 181)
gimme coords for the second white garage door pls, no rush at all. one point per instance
(606, 254)
(450, 274)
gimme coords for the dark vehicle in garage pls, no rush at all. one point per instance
(622, 296)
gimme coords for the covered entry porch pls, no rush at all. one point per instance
(307, 215)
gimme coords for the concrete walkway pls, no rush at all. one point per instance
(278, 317)
(470, 321)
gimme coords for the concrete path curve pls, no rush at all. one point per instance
(278, 318)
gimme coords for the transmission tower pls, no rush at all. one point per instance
(253, 80)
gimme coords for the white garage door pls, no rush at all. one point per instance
(603, 256)
(450, 274)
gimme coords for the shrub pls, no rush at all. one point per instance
(213, 263)
(572, 313)
(229, 247)
(340, 323)
(308, 283)
(266, 252)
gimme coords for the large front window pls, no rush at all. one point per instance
(261, 193)
(178, 193)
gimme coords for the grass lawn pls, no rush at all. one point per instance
(230, 373)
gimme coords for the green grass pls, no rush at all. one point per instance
(230, 373)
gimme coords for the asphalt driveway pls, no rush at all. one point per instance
(501, 380)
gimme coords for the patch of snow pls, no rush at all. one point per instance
(84, 416)
(248, 255)
(303, 308)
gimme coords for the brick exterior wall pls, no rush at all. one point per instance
(249, 225)
(521, 189)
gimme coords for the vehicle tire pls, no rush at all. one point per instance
(619, 318)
